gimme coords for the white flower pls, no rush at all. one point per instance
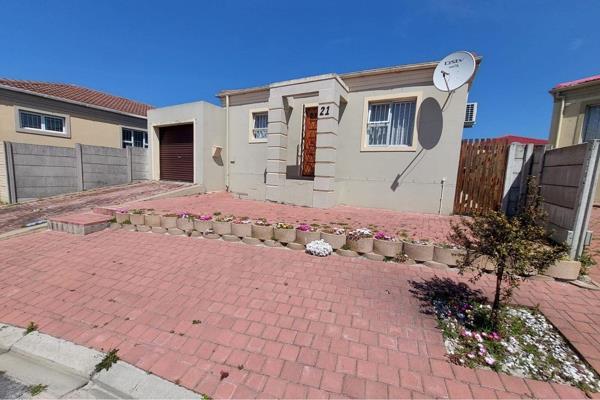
(490, 361)
(319, 248)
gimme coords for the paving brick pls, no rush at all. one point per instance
(332, 382)
(354, 387)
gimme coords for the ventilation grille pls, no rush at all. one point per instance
(470, 115)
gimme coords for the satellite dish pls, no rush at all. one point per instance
(453, 71)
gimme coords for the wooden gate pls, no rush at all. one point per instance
(481, 171)
(309, 142)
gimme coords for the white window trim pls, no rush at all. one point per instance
(582, 120)
(405, 96)
(66, 133)
(251, 138)
(132, 141)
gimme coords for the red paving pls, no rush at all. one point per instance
(594, 248)
(16, 216)
(419, 226)
(280, 323)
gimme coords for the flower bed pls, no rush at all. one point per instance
(203, 223)
(319, 248)
(336, 237)
(386, 245)
(360, 240)
(185, 222)
(419, 250)
(262, 229)
(241, 227)
(307, 233)
(284, 232)
(525, 345)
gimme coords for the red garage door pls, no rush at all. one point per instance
(177, 153)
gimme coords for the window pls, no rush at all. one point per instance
(390, 123)
(135, 138)
(260, 123)
(591, 124)
(35, 122)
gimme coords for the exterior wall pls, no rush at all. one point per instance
(403, 180)
(87, 125)
(4, 194)
(567, 128)
(209, 130)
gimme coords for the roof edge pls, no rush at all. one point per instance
(356, 74)
(79, 103)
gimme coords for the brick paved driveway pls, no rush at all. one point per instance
(15, 216)
(279, 323)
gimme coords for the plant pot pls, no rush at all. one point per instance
(387, 248)
(484, 263)
(222, 228)
(362, 245)
(262, 232)
(152, 220)
(447, 256)
(202, 226)
(137, 219)
(241, 230)
(168, 222)
(564, 269)
(285, 235)
(121, 218)
(418, 252)
(185, 224)
(305, 237)
(336, 241)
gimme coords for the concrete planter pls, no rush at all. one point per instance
(305, 237)
(221, 228)
(185, 224)
(447, 256)
(418, 252)
(137, 219)
(241, 230)
(121, 218)
(168, 222)
(153, 220)
(262, 232)
(565, 270)
(387, 248)
(285, 235)
(362, 245)
(202, 226)
(336, 241)
(485, 263)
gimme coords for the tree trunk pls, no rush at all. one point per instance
(496, 305)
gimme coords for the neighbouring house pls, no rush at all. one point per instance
(520, 139)
(61, 114)
(576, 113)
(384, 138)
(58, 138)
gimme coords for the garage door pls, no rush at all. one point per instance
(177, 153)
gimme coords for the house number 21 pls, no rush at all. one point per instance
(324, 111)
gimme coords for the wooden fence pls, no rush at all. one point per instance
(481, 172)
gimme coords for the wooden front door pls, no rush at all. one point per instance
(309, 143)
(177, 153)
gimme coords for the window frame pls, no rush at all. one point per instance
(390, 98)
(251, 113)
(66, 132)
(133, 129)
(586, 107)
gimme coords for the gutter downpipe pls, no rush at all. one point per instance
(227, 143)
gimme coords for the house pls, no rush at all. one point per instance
(576, 113)
(61, 114)
(383, 138)
(520, 139)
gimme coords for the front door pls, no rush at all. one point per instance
(309, 143)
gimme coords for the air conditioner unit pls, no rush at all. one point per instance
(470, 115)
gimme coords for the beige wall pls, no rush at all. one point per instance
(4, 195)
(567, 127)
(87, 125)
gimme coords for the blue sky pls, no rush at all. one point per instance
(173, 51)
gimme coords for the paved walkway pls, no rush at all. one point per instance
(594, 248)
(231, 320)
(419, 226)
(16, 216)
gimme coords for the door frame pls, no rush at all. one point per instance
(154, 145)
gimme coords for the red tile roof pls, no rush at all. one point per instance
(520, 139)
(577, 82)
(73, 93)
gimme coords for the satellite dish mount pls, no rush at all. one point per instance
(453, 71)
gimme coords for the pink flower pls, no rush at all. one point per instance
(304, 227)
(205, 217)
(490, 361)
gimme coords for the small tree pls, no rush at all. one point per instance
(514, 246)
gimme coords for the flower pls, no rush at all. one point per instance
(384, 236)
(122, 211)
(262, 222)
(224, 218)
(205, 217)
(319, 248)
(242, 220)
(284, 225)
(184, 214)
(490, 360)
(359, 233)
(305, 228)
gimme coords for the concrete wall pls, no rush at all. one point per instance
(567, 127)
(34, 171)
(87, 125)
(209, 130)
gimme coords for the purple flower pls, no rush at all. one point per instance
(205, 217)
(304, 227)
